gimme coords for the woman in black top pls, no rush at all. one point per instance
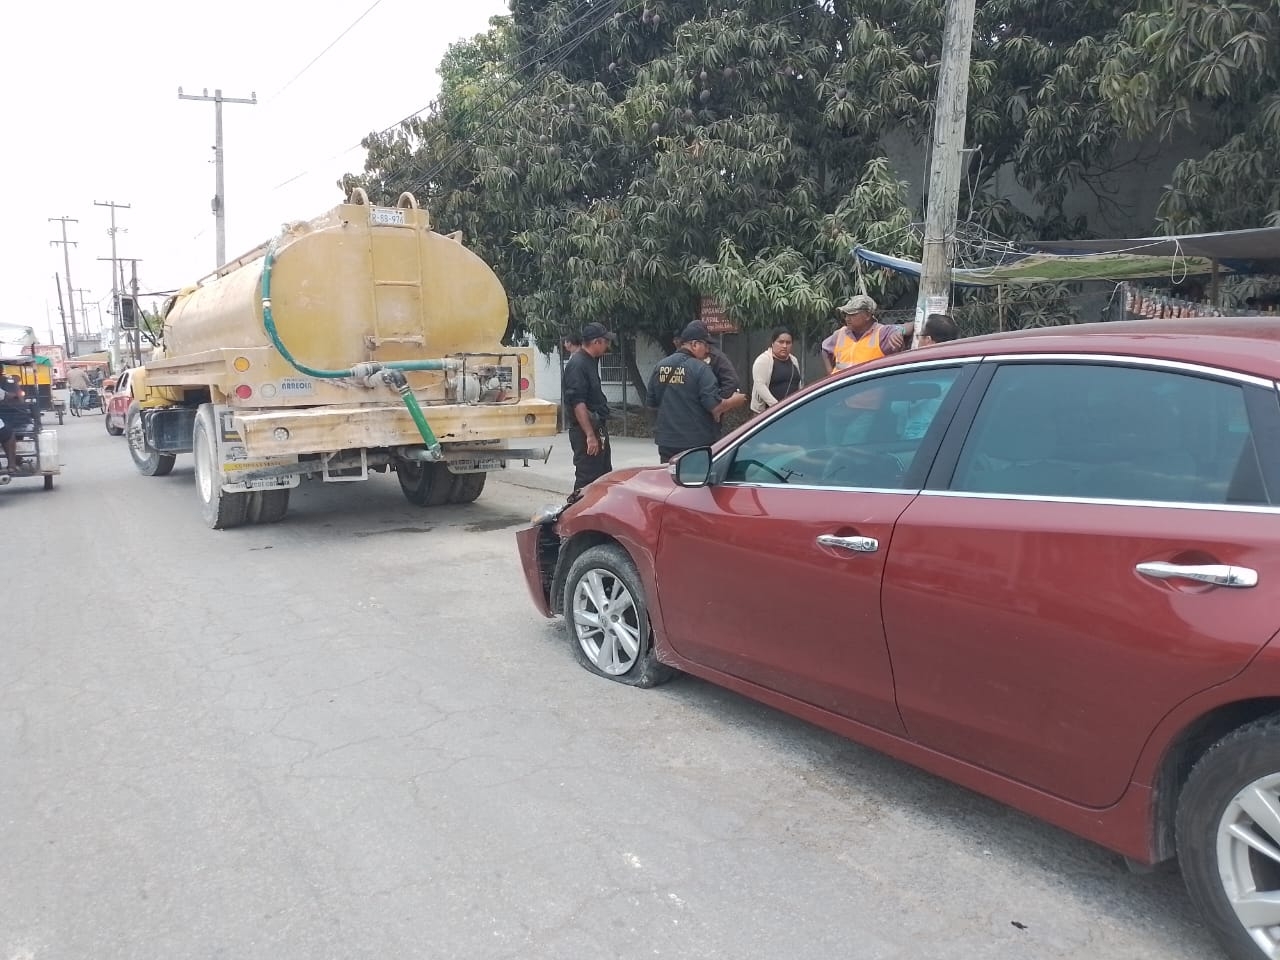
(775, 375)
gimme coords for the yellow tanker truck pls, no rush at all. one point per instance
(358, 342)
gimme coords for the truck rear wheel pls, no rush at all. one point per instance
(467, 487)
(221, 511)
(267, 506)
(149, 462)
(425, 484)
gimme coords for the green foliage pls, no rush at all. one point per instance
(614, 161)
(1213, 67)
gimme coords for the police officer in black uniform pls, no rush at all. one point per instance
(685, 392)
(588, 409)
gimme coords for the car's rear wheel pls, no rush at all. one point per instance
(1228, 833)
(608, 620)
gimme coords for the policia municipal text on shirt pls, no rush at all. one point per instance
(686, 393)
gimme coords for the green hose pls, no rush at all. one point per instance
(410, 401)
(424, 428)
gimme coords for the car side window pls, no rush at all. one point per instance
(863, 434)
(1111, 432)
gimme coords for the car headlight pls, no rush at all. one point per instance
(548, 514)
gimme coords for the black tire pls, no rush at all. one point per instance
(425, 484)
(267, 506)
(148, 461)
(60, 418)
(113, 431)
(467, 487)
(48, 481)
(221, 511)
(1241, 759)
(617, 574)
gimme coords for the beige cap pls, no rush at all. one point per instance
(858, 304)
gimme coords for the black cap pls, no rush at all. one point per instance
(695, 331)
(595, 331)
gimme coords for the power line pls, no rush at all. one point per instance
(554, 58)
(351, 26)
(512, 64)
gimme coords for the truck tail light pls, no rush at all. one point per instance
(524, 383)
(244, 391)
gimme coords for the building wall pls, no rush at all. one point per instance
(1133, 191)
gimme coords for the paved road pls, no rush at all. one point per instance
(348, 736)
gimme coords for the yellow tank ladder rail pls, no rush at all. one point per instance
(397, 281)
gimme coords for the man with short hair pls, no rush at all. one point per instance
(727, 381)
(685, 392)
(938, 328)
(572, 343)
(79, 384)
(588, 409)
(861, 339)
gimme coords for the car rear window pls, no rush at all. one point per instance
(1112, 432)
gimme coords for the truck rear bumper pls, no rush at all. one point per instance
(329, 428)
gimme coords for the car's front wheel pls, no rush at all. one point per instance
(608, 620)
(1228, 834)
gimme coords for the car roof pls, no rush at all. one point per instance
(1249, 345)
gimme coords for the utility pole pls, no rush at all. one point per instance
(84, 308)
(950, 114)
(66, 337)
(66, 262)
(114, 348)
(219, 195)
(131, 337)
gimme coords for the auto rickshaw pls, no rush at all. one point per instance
(36, 445)
(35, 376)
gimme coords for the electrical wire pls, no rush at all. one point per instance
(513, 67)
(333, 43)
(553, 59)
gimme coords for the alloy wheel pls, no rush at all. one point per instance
(607, 622)
(1249, 860)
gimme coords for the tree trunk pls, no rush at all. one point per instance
(634, 376)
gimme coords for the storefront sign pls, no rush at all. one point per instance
(715, 319)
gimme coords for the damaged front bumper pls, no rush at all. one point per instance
(539, 547)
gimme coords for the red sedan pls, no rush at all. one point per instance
(119, 396)
(1040, 565)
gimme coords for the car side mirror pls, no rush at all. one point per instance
(692, 468)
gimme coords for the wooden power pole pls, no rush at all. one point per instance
(219, 195)
(943, 206)
(66, 260)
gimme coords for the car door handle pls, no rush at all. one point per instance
(1218, 574)
(852, 544)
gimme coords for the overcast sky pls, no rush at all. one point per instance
(90, 112)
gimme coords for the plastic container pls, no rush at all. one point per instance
(49, 452)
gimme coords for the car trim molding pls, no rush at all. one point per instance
(1132, 361)
(1102, 501)
(739, 484)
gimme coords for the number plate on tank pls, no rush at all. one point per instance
(386, 216)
